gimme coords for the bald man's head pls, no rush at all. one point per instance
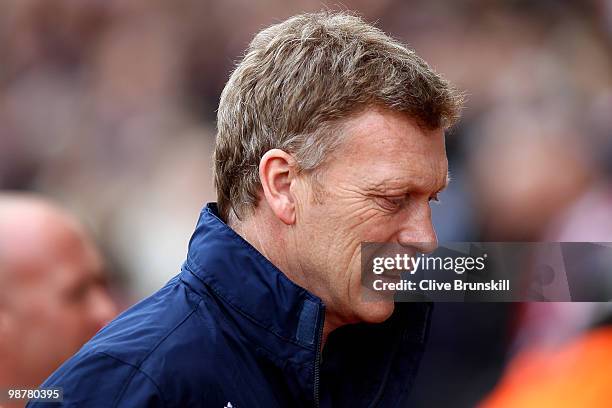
(34, 232)
(52, 293)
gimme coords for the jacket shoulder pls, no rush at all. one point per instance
(100, 380)
(171, 348)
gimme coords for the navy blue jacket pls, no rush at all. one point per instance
(233, 329)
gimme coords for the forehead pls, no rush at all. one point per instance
(381, 145)
(45, 248)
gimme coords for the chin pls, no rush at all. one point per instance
(375, 311)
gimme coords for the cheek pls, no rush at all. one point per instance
(49, 310)
(363, 221)
(350, 225)
(338, 231)
(349, 271)
(60, 317)
(377, 228)
(39, 323)
(32, 307)
(331, 233)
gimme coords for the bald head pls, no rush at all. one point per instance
(52, 293)
(35, 235)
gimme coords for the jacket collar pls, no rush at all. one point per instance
(250, 283)
(378, 360)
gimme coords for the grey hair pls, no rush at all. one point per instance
(299, 80)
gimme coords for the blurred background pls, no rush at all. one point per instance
(108, 107)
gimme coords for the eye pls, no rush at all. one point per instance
(77, 294)
(391, 203)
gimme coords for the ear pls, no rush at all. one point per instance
(276, 173)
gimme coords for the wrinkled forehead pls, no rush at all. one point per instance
(383, 130)
(382, 143)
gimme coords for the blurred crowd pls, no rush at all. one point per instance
(108, 107)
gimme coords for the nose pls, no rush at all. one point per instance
(103, 308)
(417, 230)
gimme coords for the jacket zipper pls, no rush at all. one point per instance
(317, 368)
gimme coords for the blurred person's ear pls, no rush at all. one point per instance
(277, 172)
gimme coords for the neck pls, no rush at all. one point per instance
(273, 239)
(269, 237)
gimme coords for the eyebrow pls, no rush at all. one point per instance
(384, 185)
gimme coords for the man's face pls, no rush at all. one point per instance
(57, 299)
(376, 187)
